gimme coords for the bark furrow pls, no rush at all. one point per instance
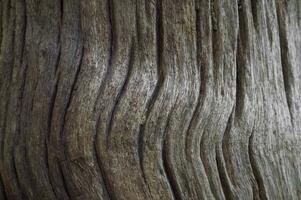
(160, 99)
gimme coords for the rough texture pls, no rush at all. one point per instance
(150, 99)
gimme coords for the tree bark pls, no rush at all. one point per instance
(156, 99)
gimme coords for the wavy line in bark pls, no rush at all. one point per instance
(159, 188)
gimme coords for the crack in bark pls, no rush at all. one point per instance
(123, 88)
(111, 53)
(286, 65)
(107, 187)
(2, 189)
(254, 13)
(62, 160)
(164, 154)
(258, 177)
(73, 89)
(17, 176)
(221, 165)
(159, 83)
(6, 89)
(64, 180)
(50, 113)
(51, 105)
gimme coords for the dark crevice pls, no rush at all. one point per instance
(269, 29)
(57, 62)
(112, 25)
(18, 193)
(299, 12)
(159, 83)
(223, 179)
(59, 36)
(138, 26)
(214, 22)
(47, 166)
(132, 53)
(70, 187)
(286, 65)
(105, 182)
(168, 170)
(107, 187)
(62, 161)
(34, 94)
(201, 92)
(51, 104)
(20, 119)
(110, 9)
(220, 155)
(23, 76)
(216, 40)
(2, 189)
(17, 175)
(256, 172)
(213, 42)
(1, 28)
(22, 89)
(62, 12)
(47, 138)
(64, 180)
(73, 89)
(242, 48)
(254, 13)
(11, 62)
(110, 192)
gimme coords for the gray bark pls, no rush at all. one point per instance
(156, 99)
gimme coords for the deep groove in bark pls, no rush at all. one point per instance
(64, 180)
(51, 105)
(57, 63)
(138, 27)
(123, 88)
(159, 83)
(299, 12)
(202, 81)
(72, 89)
(9, 93)
(2, 189)
(242, 46)
(112, 25)
(164, 154)
(256, 172)
(106, 184)
(59, 37)
(222, 167)
(254, 13)
(62, 12)
(286, 67)
(7, 89)
(18, 131)
(1, 29)
(222, 174)
(50, 112)
(17, 176)
(111, 52)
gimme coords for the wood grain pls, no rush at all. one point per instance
(158, 99)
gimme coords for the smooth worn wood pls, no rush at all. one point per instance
(150, 99)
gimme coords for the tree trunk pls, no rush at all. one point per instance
(150, 99)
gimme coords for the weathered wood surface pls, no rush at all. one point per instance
(150, 99)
